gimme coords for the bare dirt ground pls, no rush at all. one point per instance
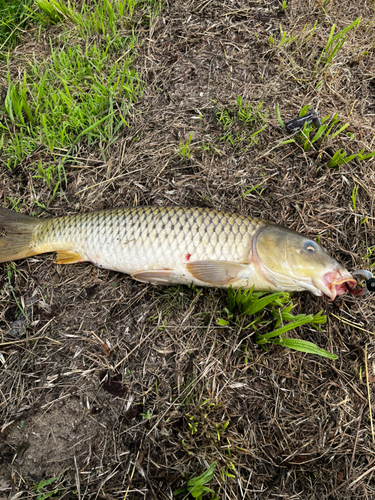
(119, 389)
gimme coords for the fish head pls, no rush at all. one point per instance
(291, 262)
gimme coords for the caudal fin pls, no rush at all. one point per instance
(19, 229)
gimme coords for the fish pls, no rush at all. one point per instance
(174, 245)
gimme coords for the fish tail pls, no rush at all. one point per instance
(19, 230)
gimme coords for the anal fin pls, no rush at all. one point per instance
(216, 272)
(68, 257)
(154, 276)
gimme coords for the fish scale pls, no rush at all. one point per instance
(141, 238)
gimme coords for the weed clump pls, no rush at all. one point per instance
(272, 309)
(242, 123)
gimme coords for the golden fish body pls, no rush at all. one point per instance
(163, 245)
(139, 240)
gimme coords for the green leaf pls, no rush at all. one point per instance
(231, 298)
(336, 158)
(195, 486)
(260, 304)
(304, 346)
(222, 322)
(198, 491)
(180, 490)
(304, 110)
(334, 121)
(279, 119)
(345, 30)
(42, 484)
(206, 477)
(366, 157)
(350, 158)
(319, 318)
(279, 331)
(258, 132)
(330, 38)
(319, 133)
(47, 495)
(88, 129)
(340, 130)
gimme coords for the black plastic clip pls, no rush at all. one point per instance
(369, 277)
(298, 123)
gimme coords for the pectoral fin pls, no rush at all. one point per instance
(68, 257)
(215, 272)
(154, 276)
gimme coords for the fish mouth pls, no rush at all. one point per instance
(337, 283)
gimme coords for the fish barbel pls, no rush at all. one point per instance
(171, 245)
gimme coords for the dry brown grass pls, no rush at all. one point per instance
(100, 382)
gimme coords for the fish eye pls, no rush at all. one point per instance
(310, 246)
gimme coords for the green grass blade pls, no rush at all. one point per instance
(366, 157)
(304, 110)
(287, 142)
(330, 38)
(279, 331)
(91, 127)
(340, 130)
(348, 28)
(304, 346)
(336, 158)
(258, 132)
(351, 157)
(260, 304)
(335, 50)
(279, 119)
(319, 133)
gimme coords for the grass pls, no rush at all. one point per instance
(334, 44)
(242, 122)
(55, 11)
(79, 95)
(100, 16)
(14, 17)
(285, 38)
(184, 149)
(272, 309)
(341, 157)
(330, 127)
(196, 485)
(328, 54)
(207, 428)
(12, 269)
(42, 495)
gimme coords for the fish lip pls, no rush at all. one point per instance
(335, 283)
